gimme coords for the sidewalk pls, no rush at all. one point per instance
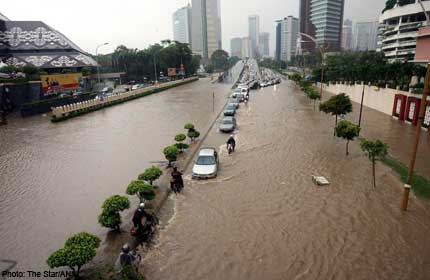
(398, 134)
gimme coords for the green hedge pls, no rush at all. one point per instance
(115, 102)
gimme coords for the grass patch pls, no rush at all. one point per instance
(420, 185)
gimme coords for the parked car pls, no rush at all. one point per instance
(138, 86)
(228, 124)
(230, 110)
(206, 164)
(235, 101)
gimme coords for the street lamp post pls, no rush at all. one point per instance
(155, 69)
(98, 66)
(406, 190)
(321, 49)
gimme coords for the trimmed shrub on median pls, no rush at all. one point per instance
(141, 189)
(180, 138)
(151, 174)
(110, 216)
(77, 251)
(171, 153)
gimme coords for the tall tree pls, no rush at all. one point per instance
(348, 131)
(220, 60)
(375, 150)
(337, 105)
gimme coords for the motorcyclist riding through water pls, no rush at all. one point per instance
(177, 183)
(231, 144)
(144, 231)
(138, 215)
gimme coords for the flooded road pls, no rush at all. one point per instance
(263, 218)
(54, 177)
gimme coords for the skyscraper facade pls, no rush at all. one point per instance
(206, 27)
(246, 47)
(366, 36)
(264, 44)
(254, 34)
(347, 35)
(306, 25)
(288, 31)
(278, 41)
(236, 47)
(327, 17)
(182, 25)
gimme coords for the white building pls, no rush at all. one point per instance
(254, 34)
(347, 35)
(365, 36)
(236, 47)
(246, 47)
(289, 35)
(182, 25)
(206, 27)
(264, 44)
(398, 28)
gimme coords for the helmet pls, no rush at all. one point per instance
(231, 136)
(125, 248)
(175, 168)
(142, 205)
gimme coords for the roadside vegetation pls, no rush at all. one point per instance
(81, 248)
(420, 185)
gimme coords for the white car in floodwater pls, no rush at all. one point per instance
(206, 164)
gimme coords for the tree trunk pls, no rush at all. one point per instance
(373, 173)
(78, 271)
(314, 103)
(335, 124)
(347, 143)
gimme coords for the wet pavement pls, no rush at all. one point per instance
(54, 177)
(263, 218)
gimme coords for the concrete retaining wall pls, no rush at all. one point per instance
(381, 99)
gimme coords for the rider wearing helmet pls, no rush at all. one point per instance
(177, 177)
(231, 142)
(139, 214)
(126, 257)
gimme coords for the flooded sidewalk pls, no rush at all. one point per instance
(263, 218)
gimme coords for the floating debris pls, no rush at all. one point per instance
(320, 180)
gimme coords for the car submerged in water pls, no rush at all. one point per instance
(228, 124)
(206, 164)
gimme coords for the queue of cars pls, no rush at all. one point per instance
(206, 164)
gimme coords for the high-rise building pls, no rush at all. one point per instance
(347, 35)
(264, 44)
(236, 47)
(289, 32)
(365, 36)
(398, 30)
(278, 41)
(206, 27)
(182, 25)
(327, 17)
(246, 47)
(306, 26)
(254, 34)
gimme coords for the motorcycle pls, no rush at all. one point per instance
(146, 232)
(176, 185)
(230, 148)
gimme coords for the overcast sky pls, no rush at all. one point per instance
(138, 23)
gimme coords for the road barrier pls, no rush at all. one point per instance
(65, 112)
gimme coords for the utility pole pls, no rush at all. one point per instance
(421, 116)
(406, 190)
(213, 102)
(98, 66)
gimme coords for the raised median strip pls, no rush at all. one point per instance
(66, 112)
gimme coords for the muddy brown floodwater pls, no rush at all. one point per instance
(54, 177)
(263, 218)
